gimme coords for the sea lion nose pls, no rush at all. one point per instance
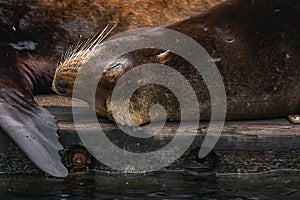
(61, 86)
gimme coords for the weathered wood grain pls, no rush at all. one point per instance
(244, 146)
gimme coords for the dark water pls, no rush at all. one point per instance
(159, 185)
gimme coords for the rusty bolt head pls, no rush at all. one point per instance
(79, 159)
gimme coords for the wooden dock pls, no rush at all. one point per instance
(244, 146)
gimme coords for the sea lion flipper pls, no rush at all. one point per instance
(30, 126)
(33, 129)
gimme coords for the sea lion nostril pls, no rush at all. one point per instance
(61, 86)
(61, 83)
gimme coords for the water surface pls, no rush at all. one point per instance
(158, 185)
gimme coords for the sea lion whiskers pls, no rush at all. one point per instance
(89, 45)
(73, 59)
(94, 41)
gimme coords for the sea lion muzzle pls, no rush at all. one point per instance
(61, 86)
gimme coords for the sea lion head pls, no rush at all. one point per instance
(110, 72)
(107, 76)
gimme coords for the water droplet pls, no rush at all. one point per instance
(216, 59)
(204, 27)
(229, 39)
(296, 117)
(14, 28)
(287, 56)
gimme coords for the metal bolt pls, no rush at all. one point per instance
(79, 159)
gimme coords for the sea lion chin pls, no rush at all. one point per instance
(255, 45)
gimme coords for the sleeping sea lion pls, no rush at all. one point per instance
(33, 36)
(255, 45)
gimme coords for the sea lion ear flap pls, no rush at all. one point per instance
(33, 129)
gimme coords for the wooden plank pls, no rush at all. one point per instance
(244, 146)
(259, 135)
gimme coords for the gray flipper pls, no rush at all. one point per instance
(33, 129)
(29, 125)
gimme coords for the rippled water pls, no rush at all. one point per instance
(159, 185)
